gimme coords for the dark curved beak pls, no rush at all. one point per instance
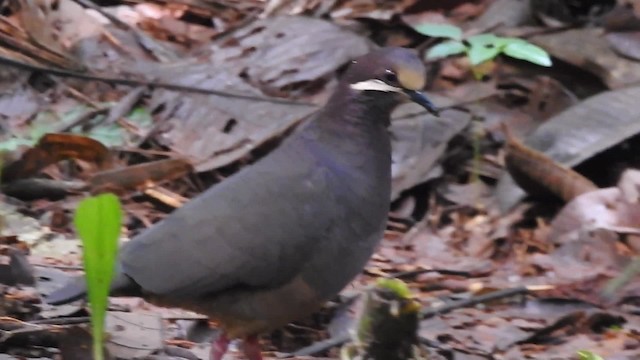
(420, 99)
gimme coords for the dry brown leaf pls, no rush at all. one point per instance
(579, 133)
(52, 148)
(283, 51)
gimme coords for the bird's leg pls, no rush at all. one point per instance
(219, 347)
(251, 348)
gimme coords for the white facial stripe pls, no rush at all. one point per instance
(374, 84)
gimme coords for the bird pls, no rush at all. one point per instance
(273, 242)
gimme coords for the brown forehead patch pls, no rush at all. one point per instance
(411, 79)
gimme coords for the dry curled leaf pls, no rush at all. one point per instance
(52, 148)
(284, 51)
(539, 175)
(579, 133)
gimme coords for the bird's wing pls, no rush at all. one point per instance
(255, 229)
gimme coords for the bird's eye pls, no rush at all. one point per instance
(390, 77)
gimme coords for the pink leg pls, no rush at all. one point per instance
(251, 348)
(219, 347)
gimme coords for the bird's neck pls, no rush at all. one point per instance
(352, 112)
(351, 129)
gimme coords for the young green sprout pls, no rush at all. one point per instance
(482, 47)
(98, 220)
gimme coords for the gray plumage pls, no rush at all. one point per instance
(276, 240)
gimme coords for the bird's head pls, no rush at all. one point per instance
(390, 74)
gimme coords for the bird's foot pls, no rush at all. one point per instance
(219, 347)
(251, 348)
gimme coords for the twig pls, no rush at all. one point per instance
(153, 84)
(500, 294)
(60, 267)
(80, 96)
(63, 321)
(414, 273)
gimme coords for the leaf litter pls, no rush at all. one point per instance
(447, 237)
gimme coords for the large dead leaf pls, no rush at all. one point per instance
(501, 14)
(270, 54)
(213, 131)
(589, 49)
(273, 53)
(282, 51)
(626, 44)
(581, 132)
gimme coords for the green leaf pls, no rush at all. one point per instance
(588, 355)
(526, 51)
(440, 30)
(483, 47)
(447, 48)
(98, 220)
(484, 40)
(481, 53)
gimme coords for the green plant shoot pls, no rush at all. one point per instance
(482, 47)
(98, 220)
(588, 355)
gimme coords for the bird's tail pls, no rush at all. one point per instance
(76, 289)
